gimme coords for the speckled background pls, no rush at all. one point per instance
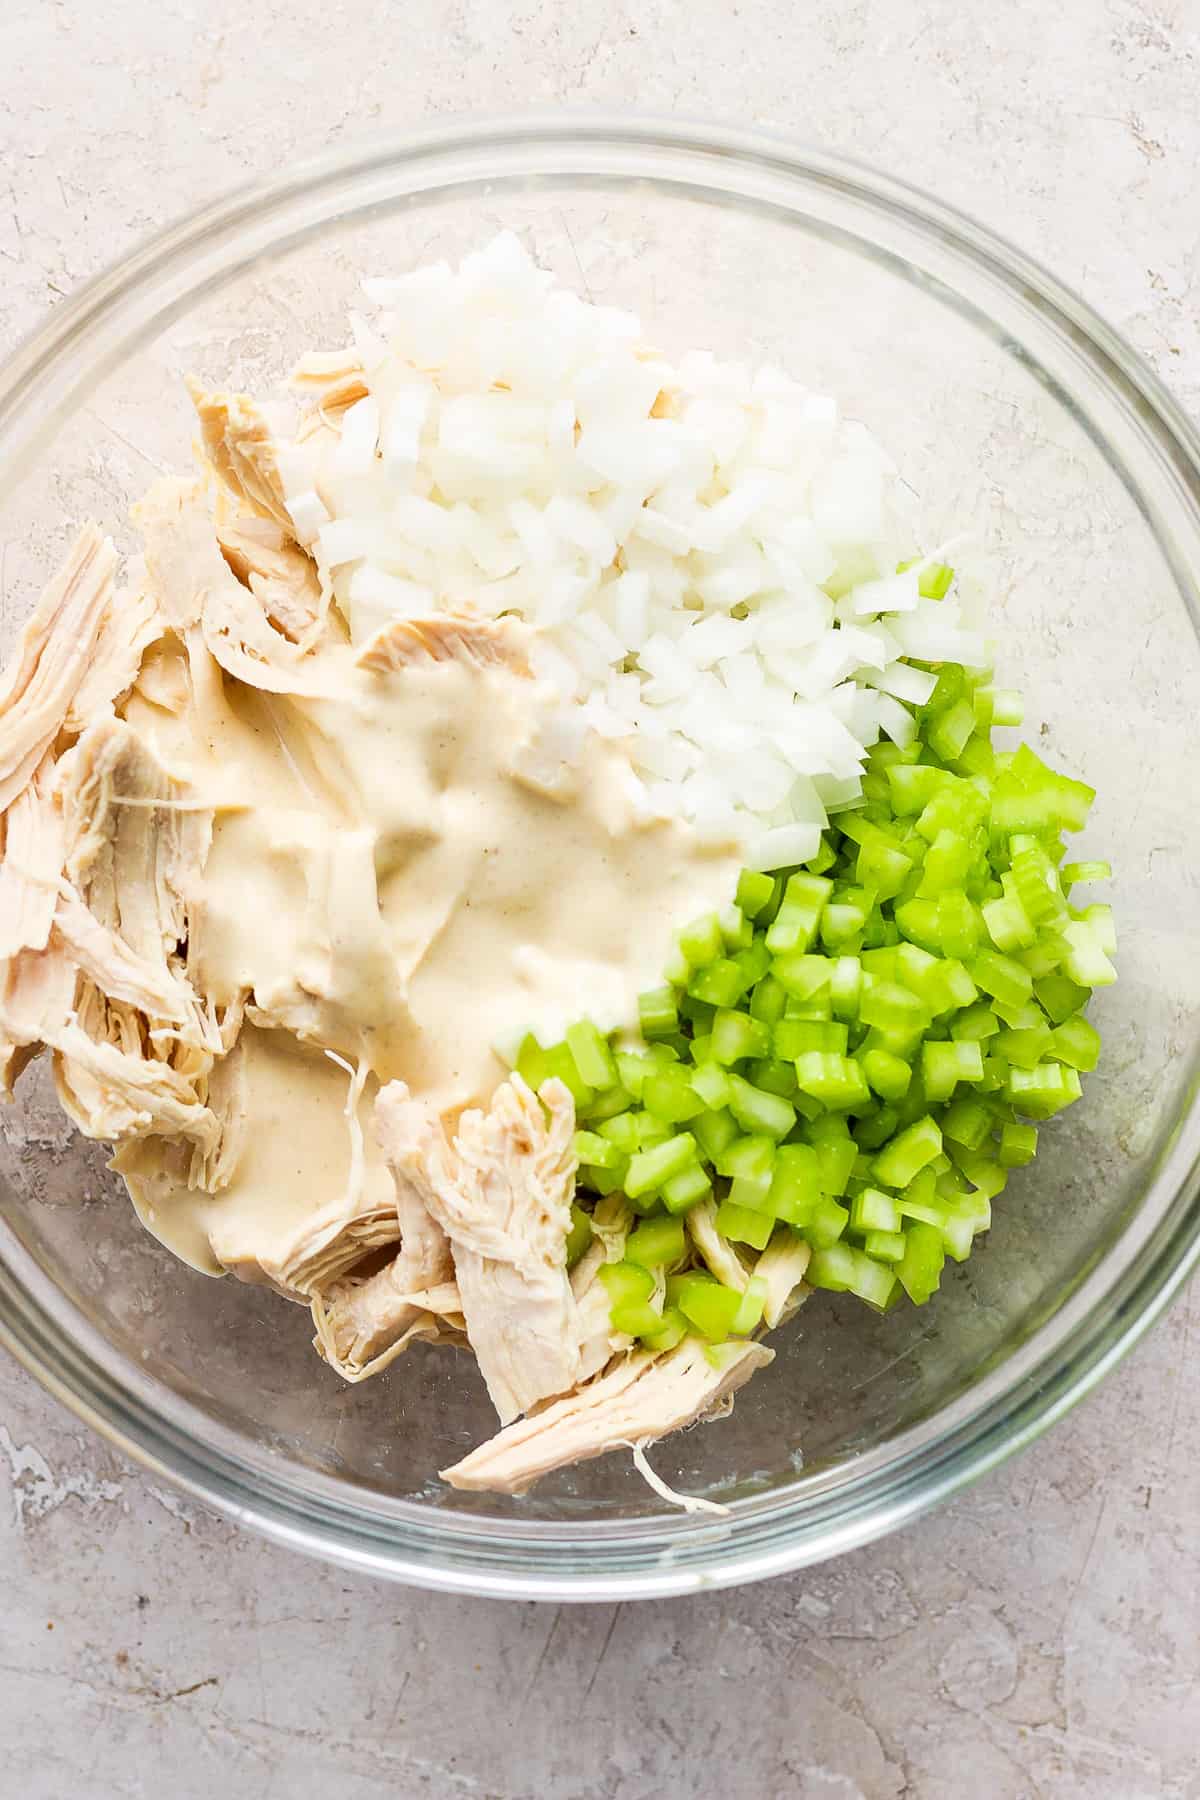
(1041, 1635)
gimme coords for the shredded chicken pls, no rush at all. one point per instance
(720, 1255)
(329, 381)
(34, 848)
(638, 1399)
(447, 637)
(278, 573)
(503, 1198)
(240, 446)
(57, 648)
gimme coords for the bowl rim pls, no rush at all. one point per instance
(646, 1557)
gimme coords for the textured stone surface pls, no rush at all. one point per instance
(1039, 1636)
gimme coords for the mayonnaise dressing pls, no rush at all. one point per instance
(384, 884)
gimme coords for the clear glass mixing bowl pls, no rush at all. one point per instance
(1014, 412)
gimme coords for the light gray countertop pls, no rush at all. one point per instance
(1038, 1636)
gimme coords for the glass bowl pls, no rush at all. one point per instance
(1014, 413)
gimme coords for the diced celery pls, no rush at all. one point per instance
(749, 1314)
(735, 1036)
(658, 1013)
(795, 925)
(1060, 997)
(758, 1112)
(737, 931)
(1076, 1042)
(579, 1236)
(714, 1131)
(668, 1094)
(920, 1268)
(600, 1152)
(768, 1001)
(754, 892)
(1001, 977)
(827, 1223)
(944, 1065)
(745, 1224)
(967, 1121)
(885, 1246)
(709, 1306)
(873, 1210)
(1018, 1145)
(1075, 872)
(888, 1075)
(671, 1331)
(651, 1168)
(683, 1190)
(908, 1153)
(711, 1083)
(719, 983)
(656, 1242)
(836, 1081)
(845, 986)
(792, 1037)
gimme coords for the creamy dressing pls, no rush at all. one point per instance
(384, 884)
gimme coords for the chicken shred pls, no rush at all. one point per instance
(446, 637)
(56, 650)
(639, 1398)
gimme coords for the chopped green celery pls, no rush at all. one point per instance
(796, 923)
(947, 861)
(827, 1223)
(683, 1190)
(754, 962)
(841, 924)
(755, 892)
(671, 1331)
(751, 1158)
(560, 1066)
(843, 1269)
(579, 1236)
(758, 1112)
(711, 1083)
(967, 1121)
(707, 1305)
(650, 1130)
(735, 1035)
(795, 1178)
(1044, 957)
(948, 732)
(1018, 1145)
(701, 1048)
(1001, 977)
(1025, 1049)
(714, 1132)
(1035, 880)
(702, 941)
(745, 1224)
(699, 1014)
(609, 1104)
(920, 922)
(882, 866)
(599, 1181)
(658, 1013)
(632, 1070)
(676, 969)
(640, 1318)
(934, 580)
(836, 1081)
(873, 1210)
(1086, 961)
(670, 1095)
(960, 925)
(1009, 925)
(845, 986)
(1041, 1092)
(768, 1001)
(1060, 997)
(920, 1199)
(874, 1129)
(736, 929)
(998, 706)
(719, 983)
(888, 1075)
(626, 1283)
(913, 786)
(599, 1152)
(908, 1153)
(985, 1174)
(956, 805)
(824, 859)
(773, 1076)
(949, 988)
(649, 1169)
(748, 1316)
(978, 757)
(1029, 797)
(531, 1063)
(621, 1130)
(885, 1246)
(792, 1037)
(920, 1268)
(656, 1242)
(892, 1007)
(1076, 1042)
(800, 974)
(1075, 872)
(835, 1152)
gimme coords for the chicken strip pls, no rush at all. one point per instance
(240, 445)
(278, 573)
(34, 849)
(447, 637)
(504, 1201)
(56, 649)
(131, 623)
(197, 589)
(639, 1398)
